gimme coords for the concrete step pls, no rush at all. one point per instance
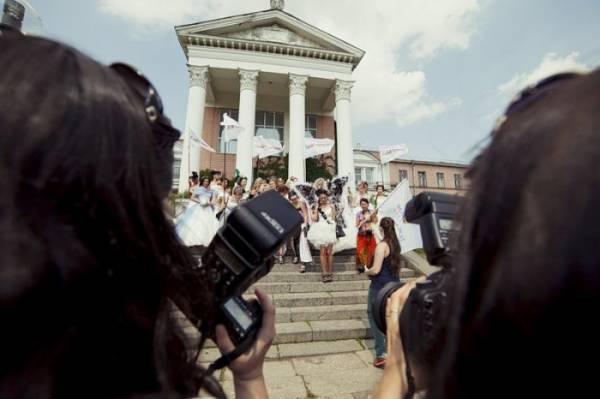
(320, 330)
(315, 255)
(316, 313)
(314, 267)
(297, 277)
(303, 299)
(313, 275)
(296, 287)
(302, 349)
(283, 287)
(323, 330)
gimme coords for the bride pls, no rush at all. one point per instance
(198, 224)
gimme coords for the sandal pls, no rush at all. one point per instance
(324, 278)
(379, 363)
(302, 268)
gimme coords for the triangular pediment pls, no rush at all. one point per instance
(274, 34)
(271, 26)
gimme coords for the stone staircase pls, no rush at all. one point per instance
(316, 318)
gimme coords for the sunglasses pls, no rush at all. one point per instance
(145, 90)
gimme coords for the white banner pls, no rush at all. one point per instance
(409, 234)
(314, 147)
(388, 153)
(197, 141)
(232, 128)
(266, 147)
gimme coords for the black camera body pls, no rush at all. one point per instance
(241, 253)
(423, 316)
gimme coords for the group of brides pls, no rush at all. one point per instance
(333, 219)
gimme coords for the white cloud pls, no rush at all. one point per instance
(383, 28)
(550, 65)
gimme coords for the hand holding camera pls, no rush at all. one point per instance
(249, 366)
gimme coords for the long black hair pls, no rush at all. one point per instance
(528, 268)
(88, 257)
(391, 239)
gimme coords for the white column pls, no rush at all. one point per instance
(345, 155)
(247, 115)
(297, 126)
(194, 120)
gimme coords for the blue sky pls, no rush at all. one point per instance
(436, 75)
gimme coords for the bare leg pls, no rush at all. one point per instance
(330, 259)
(323, 259)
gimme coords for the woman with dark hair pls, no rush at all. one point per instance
(379, 197)
(385, 269)
(242, 182)
(527, 275)
(322, 233)
(89, 262)
(193, 182)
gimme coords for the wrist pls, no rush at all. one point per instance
(250, 388)
(249, 377)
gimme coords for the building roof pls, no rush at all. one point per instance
(375, 155)
(269, 31)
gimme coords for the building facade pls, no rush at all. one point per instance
(280, 77)
(422, 176)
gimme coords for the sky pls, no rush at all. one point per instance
(436, 74)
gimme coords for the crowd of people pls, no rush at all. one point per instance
(334, 219)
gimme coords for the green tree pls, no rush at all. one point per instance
(317, 167)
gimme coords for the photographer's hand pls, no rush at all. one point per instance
(248, 369)
(393, 383)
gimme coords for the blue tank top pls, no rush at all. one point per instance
(385, 275)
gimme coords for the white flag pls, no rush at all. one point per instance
(409, 235)
(266, 147)
(197, 141)
(388, 153)
(232, 128)
(314, 147)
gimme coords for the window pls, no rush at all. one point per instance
(440, 180)
(176, 171)
(369, 175)
(422, 179)
(310, 126)
(403, 174)
(269, 125)
(229, 147)
(364, 173)
(458, 180)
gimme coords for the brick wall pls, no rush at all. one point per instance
(211, 160)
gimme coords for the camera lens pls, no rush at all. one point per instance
(380, 302)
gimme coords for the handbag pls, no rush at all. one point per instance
(339, 231)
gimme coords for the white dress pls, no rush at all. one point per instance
(323, 231)
(229, 207)
(198, 225)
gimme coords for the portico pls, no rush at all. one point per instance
(279, 77)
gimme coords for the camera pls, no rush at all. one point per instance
(241, 253)
(423, 316)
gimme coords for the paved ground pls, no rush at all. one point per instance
(341, 376)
